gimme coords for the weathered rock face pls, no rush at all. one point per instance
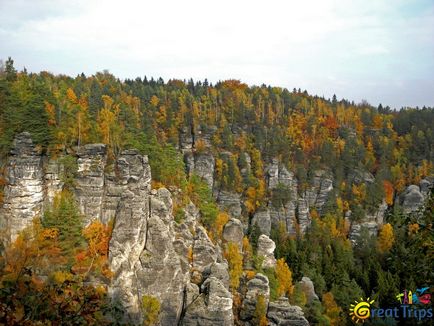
(412, 199)
(426, 185)
(318, 194)
(148, 250)
(219, 271)
(212, 307)
(89, 189)
(233, 232)
(152, 255)
(265, 249)
(280, 312)
(297, 209)
(245, 171)
(303, 214)
(372, 222)
(53, 181)
(205, 252)
(262, 219)
(204, 168)
(308, 289)
(161, 272)
(130, 234)
(186, 138)
(24, 193)
(230, 202)
(259, 285)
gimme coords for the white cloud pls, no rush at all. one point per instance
(285, 43)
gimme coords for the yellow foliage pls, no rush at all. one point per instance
(332, 310)
(314, 214)
(151, 309)
(359, 191)
(71, 95)
(261, 311)
(51, 113)
(61, 277)
(386, 238)
(221, 220)
(247, 250)
(284, 278)
(154, 100)
(235, 261)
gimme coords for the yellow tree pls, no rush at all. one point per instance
(284, 278)
(261, 311)
(332, 310)
(108, 124)
(386, 238)
(235, 261)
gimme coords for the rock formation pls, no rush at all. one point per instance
(265, 249)
(308, 289)
(24, 192)
(412, 199)
(280, 312)
(89, 188)
(233, 232)
(257, 286)
(177, 263)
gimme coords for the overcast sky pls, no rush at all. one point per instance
(378, 50)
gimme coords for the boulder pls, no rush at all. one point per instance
(265, 249)
(280, 312)
(233, 232)
(412, 199)
(257, 286)
(218, 270)
(205, 252)
(262, 219)
(308, 289)
(426, 185)
(212, 307)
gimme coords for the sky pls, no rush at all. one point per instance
(381, 51)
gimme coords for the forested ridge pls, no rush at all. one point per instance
(244, 128)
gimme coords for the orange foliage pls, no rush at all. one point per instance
(95, 256)
(413, 229)
(331, 123)
(389, 192)
(200, 146)
(51, 113)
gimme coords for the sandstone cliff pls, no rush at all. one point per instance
(150, 253)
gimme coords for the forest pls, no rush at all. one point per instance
(48, 272)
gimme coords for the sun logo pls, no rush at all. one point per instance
(361, 310)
